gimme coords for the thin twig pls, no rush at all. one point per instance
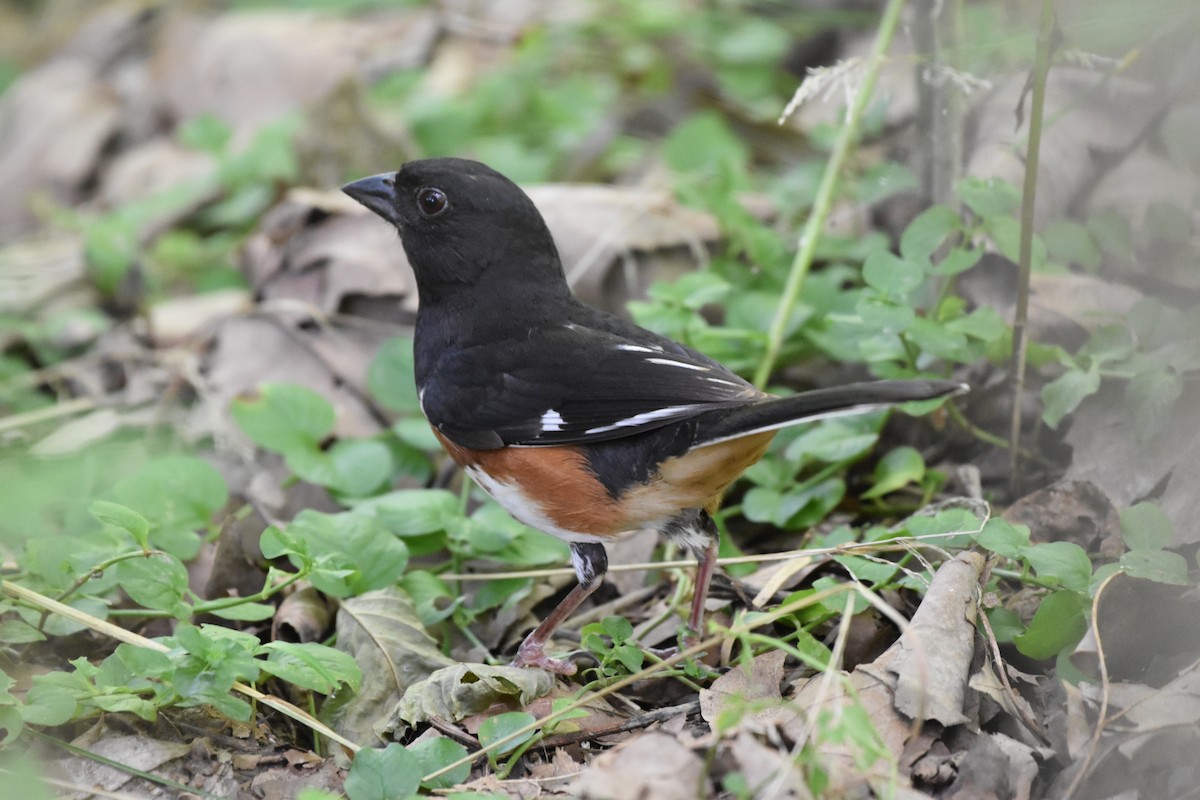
(1101, 717)
(633, 724)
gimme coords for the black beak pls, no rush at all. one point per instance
(376, 193)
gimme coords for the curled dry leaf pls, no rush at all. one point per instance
(1071, 511)
(930, 664)
(381, 631)
(304, 616)
(460, 690)
(596, 227)
(316, 248)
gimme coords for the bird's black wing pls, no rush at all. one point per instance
(572, 383)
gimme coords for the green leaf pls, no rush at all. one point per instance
(1108, 343)
(618, 629)
(493, 729)
(892, 275)
(1066, 562)
(276, 543)
(353, 552)
(392, 773)
(796, 508)
(1152, 394)
(834, 441)
(960, 521)
(284, 418)
(157, 582)
(18, 631)
(897, 469)
(702, 143)
(957, 261)
(413, 512)
(1058, 623)
(430, 595)
(1006, 233)
(206, 132)
(122, 518)
(990, 198)
(179, 495)
(390, 376)
(926, 233)
(1161, 566)
(110, 248)
(244, 612)
(438, 752)
(311, 666)
(1072, 243)
(357, 467)
(1064, 394)
(49, 702)
(1006, 624)
(1145, 527)
(1003, 538)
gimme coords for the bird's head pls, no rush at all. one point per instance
(462, 223)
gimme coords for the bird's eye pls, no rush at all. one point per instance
(432, 201)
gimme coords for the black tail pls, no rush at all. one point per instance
(854, 398)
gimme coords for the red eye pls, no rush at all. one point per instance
(432, 201)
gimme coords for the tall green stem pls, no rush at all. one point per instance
(825, 193)
(1041, 68)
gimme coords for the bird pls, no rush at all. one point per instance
(579, 423)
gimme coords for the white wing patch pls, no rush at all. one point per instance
(643, 418)
(670, 362)
(552, 421)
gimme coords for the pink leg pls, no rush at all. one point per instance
(704, 573)
(532, 651)
(591, 562)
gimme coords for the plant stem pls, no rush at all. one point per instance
(1041, 67)
(825, 193)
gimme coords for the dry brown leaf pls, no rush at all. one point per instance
(995, 766)
(138, 752)
(768, 770)
(1128, 469)
(1091, 115)
(201, 62)
(331, 360)
(755, 691)
(318, 249)
(54, 122)
(596, 226)
(177, 319)
(381, 632)
(457, 691)
(930, 664)
(1071, 511)
(651, 765)
(824, 694)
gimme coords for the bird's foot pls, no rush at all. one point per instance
(533, 654)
